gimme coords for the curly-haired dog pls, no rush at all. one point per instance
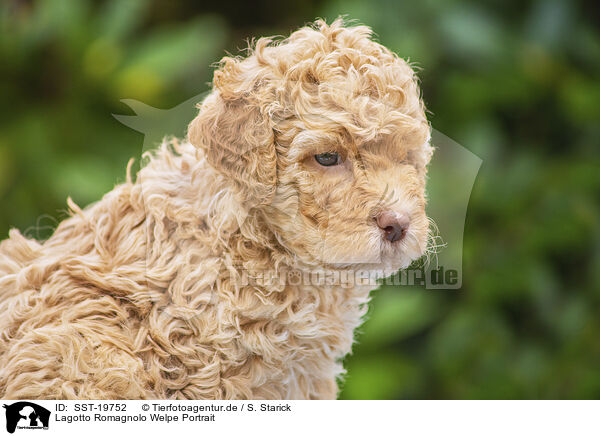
(308, 154)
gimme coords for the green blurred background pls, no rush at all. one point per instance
(516, 82)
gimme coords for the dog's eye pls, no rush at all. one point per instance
(328, 159)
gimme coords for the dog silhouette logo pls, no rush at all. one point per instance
(26, 415)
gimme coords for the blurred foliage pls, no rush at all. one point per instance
(517, 83)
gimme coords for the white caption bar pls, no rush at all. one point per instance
(300, 417)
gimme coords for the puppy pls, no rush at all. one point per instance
(308, 155)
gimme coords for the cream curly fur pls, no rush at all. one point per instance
(141, 295)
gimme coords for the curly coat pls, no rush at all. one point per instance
(141, 295)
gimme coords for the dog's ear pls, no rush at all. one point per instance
(236, 133)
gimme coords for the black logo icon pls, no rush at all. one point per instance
(24, 414)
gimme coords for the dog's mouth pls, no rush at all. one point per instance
(397, 256)
(402, 253)
(374, 251)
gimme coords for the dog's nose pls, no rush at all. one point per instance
(393, 224)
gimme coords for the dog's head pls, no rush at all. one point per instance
(325, 134)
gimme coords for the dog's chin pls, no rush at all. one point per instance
(392, 263)
(394, 257)
(381, 256)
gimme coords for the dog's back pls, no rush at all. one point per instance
(16, 253)
(60, 310)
